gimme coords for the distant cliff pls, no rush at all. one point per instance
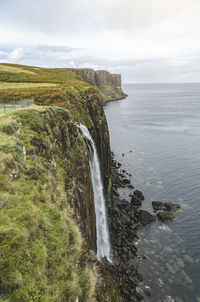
(108, 83)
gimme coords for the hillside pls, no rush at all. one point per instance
(47, 218)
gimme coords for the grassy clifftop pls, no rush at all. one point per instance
(46, 200)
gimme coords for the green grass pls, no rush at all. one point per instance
(28, 74)
(40, 244)
(19, 81)
(43, 257)
(8, 85)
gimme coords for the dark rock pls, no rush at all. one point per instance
(115, 193)
(136, 201)
(131, 187)
(140, 277)
(165, 215)
(126, 181)
(139, 194)
(157, 205)
(172, 207)
(147, 290)
(146, 217)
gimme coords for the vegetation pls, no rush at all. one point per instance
(43, 256)
(9, 85)
(28, 74)
(40, 254)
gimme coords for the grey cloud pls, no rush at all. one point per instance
(55, 49)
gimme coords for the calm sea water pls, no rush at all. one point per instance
(158, 129)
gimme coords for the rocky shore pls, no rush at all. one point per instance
(125, 219)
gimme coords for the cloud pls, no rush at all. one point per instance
(54, 49)
(17, 55)
(146, 40)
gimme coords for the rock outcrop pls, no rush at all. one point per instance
(108, 83)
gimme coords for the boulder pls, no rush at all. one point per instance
(135, 201)
(172, 207)
(146, 217)
(157, 205)
(138, 194)
(126, 181)
(166, 215)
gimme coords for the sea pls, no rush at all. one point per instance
(155, 134)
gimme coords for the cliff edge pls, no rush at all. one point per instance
(47, 215)
(108, 83)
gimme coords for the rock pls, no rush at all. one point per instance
(165, 215)
(140, 277)
(115, 193)
(160, 282)
(146, 217)
(126, 181)
(139, 194)
(172, 207)
(169, 299)
(139, 293)
(131, 187)
(136, 201)
(13, 175)
(157, 205)
(145, 257)
(147, 290)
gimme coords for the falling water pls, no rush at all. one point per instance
(103, 244)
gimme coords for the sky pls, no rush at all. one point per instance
(144, 40)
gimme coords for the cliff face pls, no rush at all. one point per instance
(108, 83)
(47, 221)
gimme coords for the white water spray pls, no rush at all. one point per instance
(103, 244)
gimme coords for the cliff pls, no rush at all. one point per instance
(108, 83)
(47, 219)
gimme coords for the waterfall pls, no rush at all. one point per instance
(103, 244)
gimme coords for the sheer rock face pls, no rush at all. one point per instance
(103, 77)
(108, 83)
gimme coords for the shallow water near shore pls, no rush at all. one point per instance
(157, 128)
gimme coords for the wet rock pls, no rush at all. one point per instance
(145, 217)
(160, 282)
(172, 207)
(147, 290)
(136, 201)
(165, 215)
(139, 194)
(139, 293)
(169, 299)
(157, 205)
(145, 257)
(126, 181)
(140, 277)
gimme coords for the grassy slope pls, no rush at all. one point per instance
(42, 254)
